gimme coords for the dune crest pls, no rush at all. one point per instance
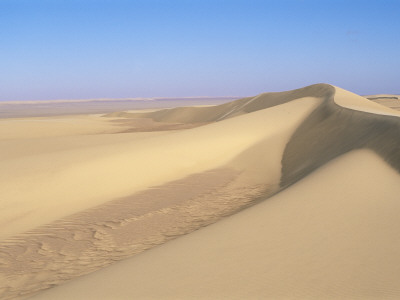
(350, 100)
(329, 236)
(67, 211)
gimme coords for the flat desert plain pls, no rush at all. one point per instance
(284, 195)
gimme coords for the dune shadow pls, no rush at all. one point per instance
(330, 131)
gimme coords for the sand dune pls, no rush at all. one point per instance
(81, 178)
(319, 161)
(330, 236)
(391, 101)
(231, 109)
(23, 109)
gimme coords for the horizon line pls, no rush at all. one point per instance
(111, 99)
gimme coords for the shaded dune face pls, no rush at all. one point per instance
(332, 130)
(96, 237)
(86, 241)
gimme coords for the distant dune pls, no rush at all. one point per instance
(285, 195)
(42, 108)
(392, 101)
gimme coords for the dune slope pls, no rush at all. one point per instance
(70, 211)
(342, 122)
(83, 208)
(333, 235)
(230, 109)
(335, 128)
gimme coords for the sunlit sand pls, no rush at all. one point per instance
(278, 196)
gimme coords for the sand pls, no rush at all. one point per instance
(63, 182)
(330, 236)
(388, 100)
(282, 195)
(350, 100)
(41, 108)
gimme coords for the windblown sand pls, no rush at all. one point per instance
(295, 195)
(391, 101)
(334, 235)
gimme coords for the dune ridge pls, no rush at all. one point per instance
(57, 242)
(350, 121)
(329, 236)
(228, 110)
(152, 190)
(334, 129)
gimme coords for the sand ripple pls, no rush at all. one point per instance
(92, 239)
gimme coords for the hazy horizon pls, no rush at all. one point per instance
(123, 99)
(149, 98)
(142, 49)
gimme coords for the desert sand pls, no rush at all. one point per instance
(42, 108)
(328, 236)
(392, 101)
(285, 195)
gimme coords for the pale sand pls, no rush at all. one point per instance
(17, 109)
(334, 235)
(71, 246)
(75, 198)
(21, 147)
(45, 127)
(388, 100)
(41, 188)
(353, 101)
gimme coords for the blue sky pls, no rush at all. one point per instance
(73, 49)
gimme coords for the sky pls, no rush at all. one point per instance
(79, 49)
